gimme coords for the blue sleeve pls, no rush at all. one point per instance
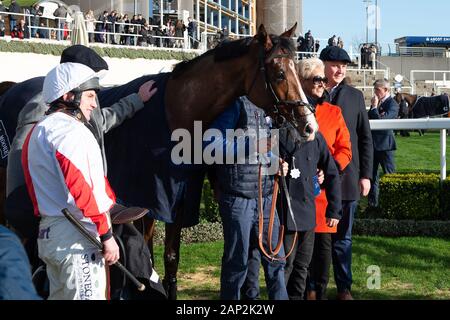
(15, 274)
(227, 120)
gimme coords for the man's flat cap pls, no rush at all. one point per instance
(333, 53)
(84, 55)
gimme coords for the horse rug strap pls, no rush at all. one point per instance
(121, 214)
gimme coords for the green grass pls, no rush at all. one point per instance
(410, 268)
(416, 153)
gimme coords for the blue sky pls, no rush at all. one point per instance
(347, 18)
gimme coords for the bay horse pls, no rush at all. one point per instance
(421, 107)
(138, 152)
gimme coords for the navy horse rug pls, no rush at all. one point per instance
(138, 154)
(11, 103)
(431, 106)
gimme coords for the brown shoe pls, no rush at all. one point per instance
(311, 295)
(345, 295)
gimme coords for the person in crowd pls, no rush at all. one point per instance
(35, 20)
(372, 57)
(134, 29)
(340, 43)
(363, 54)
(90, 25)
(110, 26)
(125, 39)
(2, 26)
(309, 39)
(18, 206)
(15, 275)
(43, 31)
(179, 33)
(382, 106)
(146, 38)
(237, 188)
(317, 46)
(192, 33)
(60, 14)
(332, 41)
(14, 8)
(224, 34)
(101, 27)
(357, 175)
(334, 130)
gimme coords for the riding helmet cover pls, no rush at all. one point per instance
(68, 77)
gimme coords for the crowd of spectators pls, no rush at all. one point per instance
(108, 27)
(368, 55)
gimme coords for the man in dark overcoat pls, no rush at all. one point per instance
(357, 175)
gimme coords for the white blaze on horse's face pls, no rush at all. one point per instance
(311, 126)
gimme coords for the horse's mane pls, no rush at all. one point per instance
(232, 49)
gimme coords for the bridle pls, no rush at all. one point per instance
(280, 119)
(281, 122)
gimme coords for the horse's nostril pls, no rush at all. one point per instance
(309, 129)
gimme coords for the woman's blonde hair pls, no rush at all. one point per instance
(305, 67)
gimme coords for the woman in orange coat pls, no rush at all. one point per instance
(334, 130)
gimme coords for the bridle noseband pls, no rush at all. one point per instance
(278, 117)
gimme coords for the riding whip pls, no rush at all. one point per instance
(140, 286)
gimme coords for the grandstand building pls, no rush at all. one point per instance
(240, 16)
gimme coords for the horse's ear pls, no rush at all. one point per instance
(290, 32)
(264, 38)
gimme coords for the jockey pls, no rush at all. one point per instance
(18, 207)
(63, 169)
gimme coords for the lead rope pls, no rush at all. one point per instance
(272, 255)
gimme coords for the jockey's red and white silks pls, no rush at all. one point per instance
(63, 169)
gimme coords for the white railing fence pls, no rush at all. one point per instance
(428, 123)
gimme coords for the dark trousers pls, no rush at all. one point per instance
(298, 262)
(240, 230)
(250, 288)
(319, 268)
(386, 160)
(341, 243)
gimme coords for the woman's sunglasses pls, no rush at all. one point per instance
(318, 80)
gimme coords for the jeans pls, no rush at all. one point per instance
(386, 160)
(240, 228)
(342, 247)
(298, 262)
(12, 24)
(319, 268)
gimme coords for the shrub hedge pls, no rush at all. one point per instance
(111, 52)
(415, 196)
(212, 231)
(412, 196)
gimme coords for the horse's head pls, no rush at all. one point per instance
(275, 86)
(398, 97)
